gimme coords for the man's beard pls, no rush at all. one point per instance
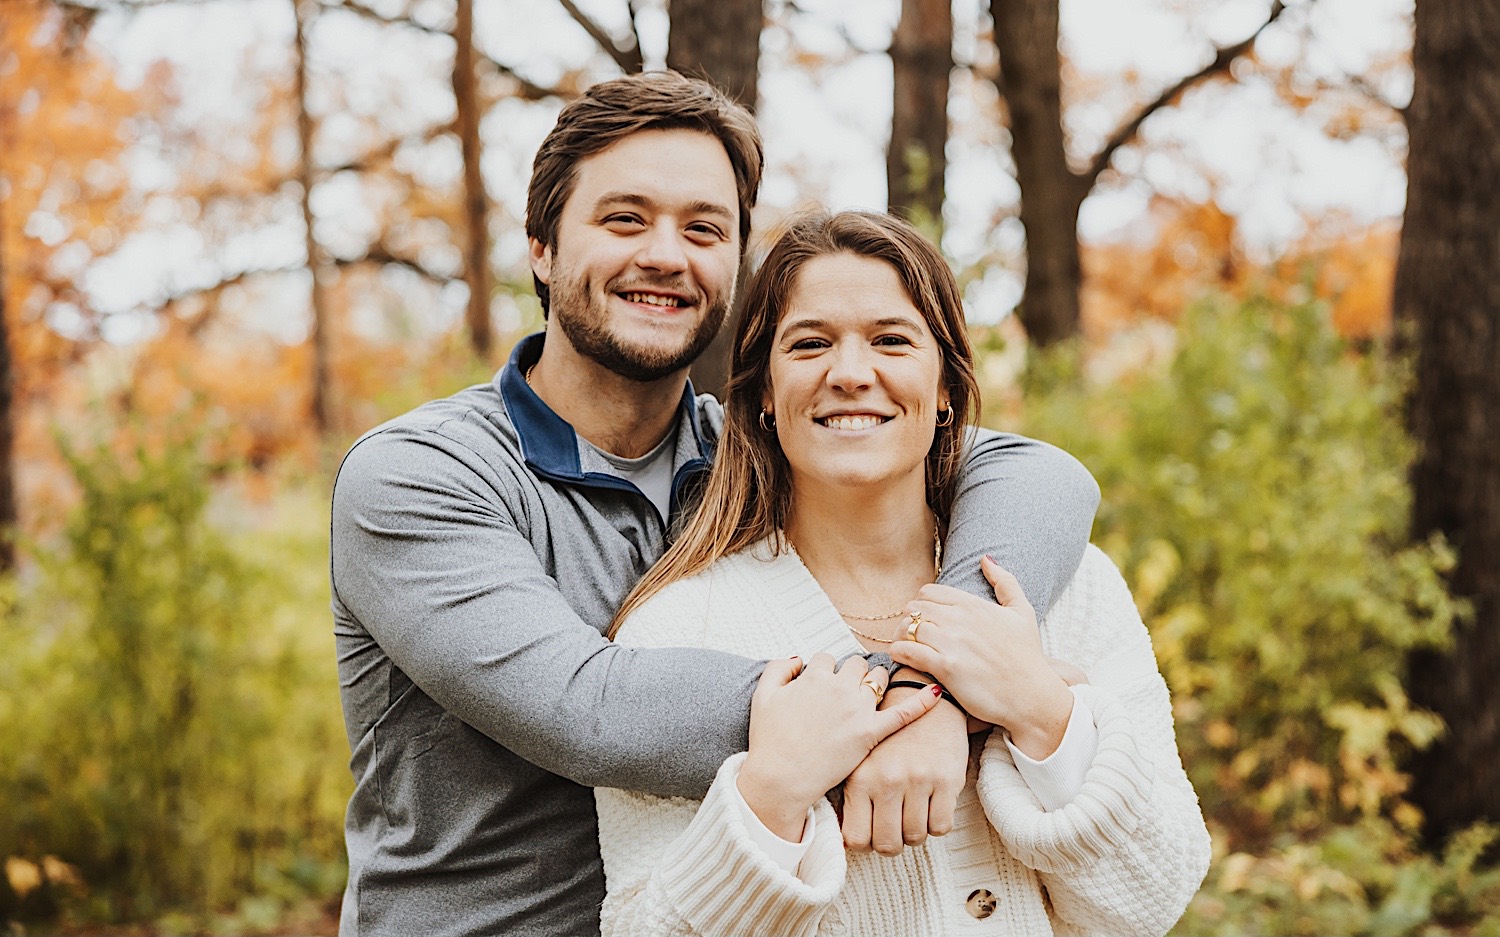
(585, 323)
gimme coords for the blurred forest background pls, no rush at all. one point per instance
(1242, 259)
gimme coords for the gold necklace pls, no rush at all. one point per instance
(937, 564)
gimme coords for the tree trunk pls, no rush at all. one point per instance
(321, 404)
(718, 40)
(476, 206)
(8, 515)
(1030, 80)
(916, 161)
(1447, 302)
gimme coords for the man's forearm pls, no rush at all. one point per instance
(1029, 505)
(454, 595)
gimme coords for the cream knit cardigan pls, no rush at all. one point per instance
(1123, 858)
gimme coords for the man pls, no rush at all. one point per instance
(481, 543)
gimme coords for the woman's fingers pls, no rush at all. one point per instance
(1072, 674)
(780, 672)
(1007, 588)
(825, 662)
(919, 657)
(895, 718)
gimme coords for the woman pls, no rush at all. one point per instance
(819, 535)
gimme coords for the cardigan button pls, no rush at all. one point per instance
(980, 903)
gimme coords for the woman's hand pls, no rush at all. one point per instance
(810, 725)
(990, 658)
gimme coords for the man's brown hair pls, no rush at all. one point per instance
(615, 109)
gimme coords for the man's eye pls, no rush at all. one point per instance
(623, 220)
(706, 232)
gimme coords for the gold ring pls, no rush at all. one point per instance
(874, 687)
(912, 627)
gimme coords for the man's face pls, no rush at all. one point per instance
(643, 266)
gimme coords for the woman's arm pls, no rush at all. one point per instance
(676, 867)
(673, 866)
(1129, 851)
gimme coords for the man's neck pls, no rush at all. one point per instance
(623, 417)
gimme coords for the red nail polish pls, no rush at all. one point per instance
(937, 690)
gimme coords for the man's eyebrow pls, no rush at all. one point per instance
(696, 207)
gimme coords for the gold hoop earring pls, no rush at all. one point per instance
(767, 421)
(945, 416)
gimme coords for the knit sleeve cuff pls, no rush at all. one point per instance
(717, 878)
(1115, 795)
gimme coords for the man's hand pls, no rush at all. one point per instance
(908, 786)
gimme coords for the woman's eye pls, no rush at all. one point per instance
(892, 340)
(808, 344)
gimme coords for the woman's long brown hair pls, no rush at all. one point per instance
(749, 492)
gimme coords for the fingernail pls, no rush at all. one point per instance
(991, 559)
(937, 690)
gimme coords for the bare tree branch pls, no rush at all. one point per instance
(529, 90)
(1224, 57)
(629, 60)
(383, 153)
(1374, 95)
(103, 6)
(377, 255)
(635, 31)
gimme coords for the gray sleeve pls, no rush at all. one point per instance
(1028, 504)
(430, 561)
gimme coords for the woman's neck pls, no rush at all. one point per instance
(870, 550)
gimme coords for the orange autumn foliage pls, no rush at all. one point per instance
(62, 184)
(1194, 249)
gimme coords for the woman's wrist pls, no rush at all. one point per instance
(766, 792)
(1039, 728)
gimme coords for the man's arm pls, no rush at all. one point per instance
(1028, 504)
(427, 557)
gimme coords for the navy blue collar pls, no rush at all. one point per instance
(550, 444)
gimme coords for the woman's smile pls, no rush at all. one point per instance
(854, 359)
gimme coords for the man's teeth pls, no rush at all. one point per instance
(652, 299)
(852, 422)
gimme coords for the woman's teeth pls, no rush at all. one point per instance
(851, 422)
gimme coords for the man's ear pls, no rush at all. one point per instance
(541, 260)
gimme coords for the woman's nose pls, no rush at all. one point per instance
(850, 367)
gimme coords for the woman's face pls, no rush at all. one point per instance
(855, 377)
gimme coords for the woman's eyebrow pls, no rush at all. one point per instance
(884, 322)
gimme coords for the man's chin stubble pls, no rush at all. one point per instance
(635, 363)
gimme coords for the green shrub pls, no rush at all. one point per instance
(1255, 495)
(172, 703)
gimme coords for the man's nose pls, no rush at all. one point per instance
(663, 250)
